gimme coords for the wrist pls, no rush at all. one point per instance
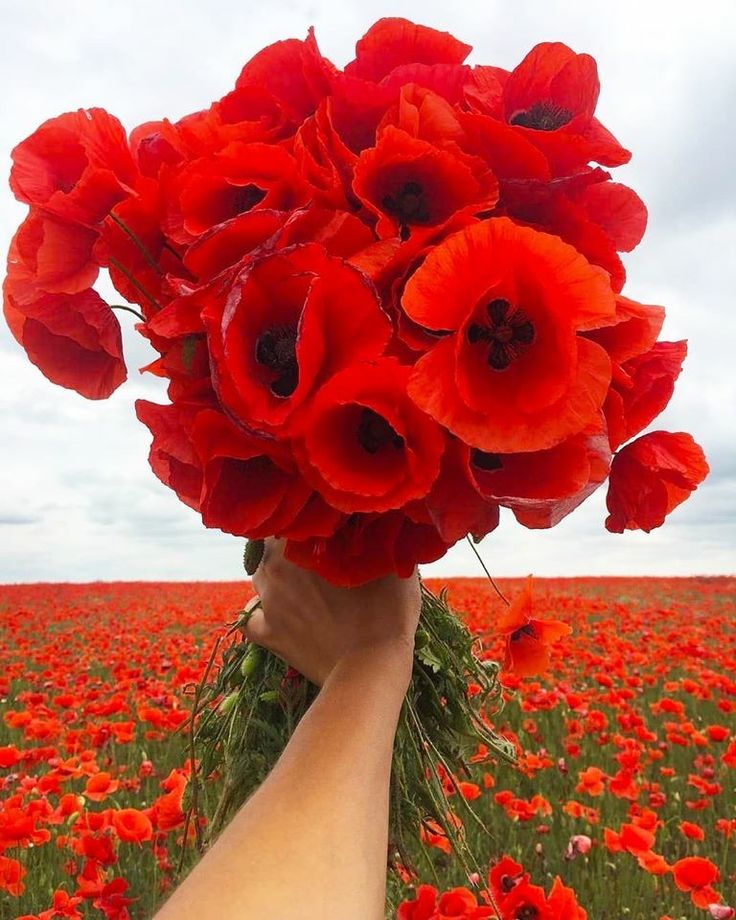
(387, 662)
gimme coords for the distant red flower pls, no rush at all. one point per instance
(100, 786)
(651, 476)
(696, 875)
(691, 831)
(12, 874)
(562, 902)
(132, 825)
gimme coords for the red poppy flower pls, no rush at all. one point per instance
(651, 476)
(633, 839)
(100, 786)
(172, 457)
(632, 331)
(691, 831)
(368, 546)
(653, 863)
(643, 386)
(563, 903)
(542, 487)
(393, 42)
(132, 825)
(513, 375)
(411, 184)
(363, 445)
(528, 640)
(284, 329)
(73, 339)
(459, 902)
(551, 96)
(250, 486)
(696, 875)
(53, 255)
(214, 189)
(525, 900)
(12, 874)
(421, 907)
(596, 216)
(455, 505)
(75, 166)
(294, 74)
(505, 875)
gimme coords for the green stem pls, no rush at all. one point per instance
(490, 577)
(136, 284)
(138, 242)
(120, 306)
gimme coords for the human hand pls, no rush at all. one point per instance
(312, 625)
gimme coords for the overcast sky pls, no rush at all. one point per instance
(78, 500)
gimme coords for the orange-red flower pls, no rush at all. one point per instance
(650, 477)
(132, 825)
(394, 42)
(284, 329)
(696, 875)
(411, 184)
(76, 166)
(551, 96)
(513, 374)
(363, 445)
(100, 786)
(528, 640)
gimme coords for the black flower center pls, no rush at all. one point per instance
(544, 116)
(408, 205)
(247, 197)
(527, 912)
(276, 350)
(526, 630)
(508, 334)
(508, 883)
(488, 462)
(374, 432)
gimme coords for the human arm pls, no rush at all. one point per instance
(311, 843)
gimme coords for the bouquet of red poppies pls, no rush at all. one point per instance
(388, 302)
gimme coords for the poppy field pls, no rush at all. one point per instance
(622, 803)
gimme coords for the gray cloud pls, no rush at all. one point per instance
(79, 501)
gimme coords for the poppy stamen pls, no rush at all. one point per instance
(408, 205)
(485, 461)
(527, 912)
(509, 333)
(374, 432)
(276, 350)
(246, 197)
(543, 116)
(526, 630)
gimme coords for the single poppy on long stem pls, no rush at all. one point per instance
(528, 640)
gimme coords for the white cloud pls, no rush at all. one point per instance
(79, 501)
